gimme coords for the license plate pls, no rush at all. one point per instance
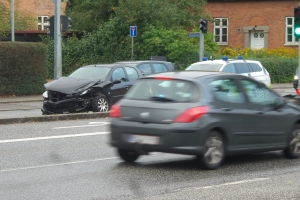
(143, 139)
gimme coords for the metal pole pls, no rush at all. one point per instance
(201, 46)
(12, 20)
(131, 48)
(57, 41)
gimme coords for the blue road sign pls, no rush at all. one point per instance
(132, 31)
(192, 35)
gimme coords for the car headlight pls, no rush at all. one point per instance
(84, 92)
(295, 77)
(45, 94)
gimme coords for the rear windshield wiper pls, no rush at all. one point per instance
(161, 99)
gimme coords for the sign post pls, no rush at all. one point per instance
(133, 32)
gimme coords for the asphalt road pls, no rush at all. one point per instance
(72, 160)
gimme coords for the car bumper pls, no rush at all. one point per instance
(50, 107)
(173, 138)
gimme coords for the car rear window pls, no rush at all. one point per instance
(255, 67)
(205, 66)
(174, 90)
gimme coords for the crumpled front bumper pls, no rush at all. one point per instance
(63, 106)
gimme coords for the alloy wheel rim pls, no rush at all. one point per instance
(214, 150)
(102, 105)
(295, 142)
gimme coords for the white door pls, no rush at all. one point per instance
(257, 39)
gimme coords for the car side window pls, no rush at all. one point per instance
(229, 68)
(227, 90)
(119, 74)
(158, 67)
(255, 67)
(258, 94)
(242, 68)
(145, 68)
(132, 73)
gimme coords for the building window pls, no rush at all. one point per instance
(42, 21)
(221, 30)
(289, 32)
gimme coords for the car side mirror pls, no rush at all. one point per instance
(116, 81)
(143, 73)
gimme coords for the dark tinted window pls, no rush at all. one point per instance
(227, 90)
(119, 74)
(174, 90)
(145, 68)
(255, 67)
(242, 68)
(131, 73)
(229, 68)
(158, 67)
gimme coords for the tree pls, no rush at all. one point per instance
(22, 20)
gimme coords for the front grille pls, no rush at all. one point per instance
(56, 96)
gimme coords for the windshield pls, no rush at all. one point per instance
(164, 90)
(205, 66)
(97, 73)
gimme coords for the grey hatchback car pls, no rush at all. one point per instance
(207, 114)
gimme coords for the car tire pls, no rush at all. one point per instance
(213, 151)
(292, 150)
(100, 104)
(128, 155)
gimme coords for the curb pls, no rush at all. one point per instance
(48, 118)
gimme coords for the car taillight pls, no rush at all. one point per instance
(115, 111)
(298, 91)
(192, 114)
(164, 78)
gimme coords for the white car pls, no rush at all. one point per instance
(250, 68)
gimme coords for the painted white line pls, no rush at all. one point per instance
(52, 137)
(224, 184)
(234, 183)
(99, 123)
(54, 165)
(83, 126)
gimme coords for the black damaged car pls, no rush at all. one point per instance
(90, 88)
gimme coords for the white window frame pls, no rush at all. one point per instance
(221, 28)
(294, 40)
(42, 22)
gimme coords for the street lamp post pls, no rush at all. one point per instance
(12, 20)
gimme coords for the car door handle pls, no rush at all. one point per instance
(259, 112)
(226, 109)
(249, 74)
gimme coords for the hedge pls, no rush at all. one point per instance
(23, 69)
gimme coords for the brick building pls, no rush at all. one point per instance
(41, 9)
(253, 23)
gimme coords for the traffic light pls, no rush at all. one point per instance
(297, 22)
(203, 25)
(50, 26)
(65, 23)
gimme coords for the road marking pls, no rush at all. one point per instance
(60, 164)
(224, 184)
(52, 137)
(83, 126)
(234, 183)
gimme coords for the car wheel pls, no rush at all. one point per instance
(100, 103)
(128, 155)
(213, 151)
(293, 149)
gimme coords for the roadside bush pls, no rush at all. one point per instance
(23, 69)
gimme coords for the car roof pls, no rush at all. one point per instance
(101, 65)
(190, 74)
(219, 61)
(141, 61)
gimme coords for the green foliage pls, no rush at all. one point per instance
(23, 68)
(282, 70)
(22, 20)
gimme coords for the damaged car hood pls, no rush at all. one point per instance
(68, 85)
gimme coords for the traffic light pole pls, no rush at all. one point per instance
(57, 41)
(201, 50)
